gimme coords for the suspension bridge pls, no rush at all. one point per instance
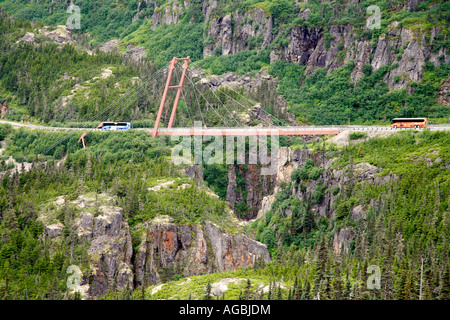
(218, 108)
(239, 131)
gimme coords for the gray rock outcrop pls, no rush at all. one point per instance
(165, 249)
(191, 250)
(53, 230)
(256, 186)
(233, 32)
(110, 250)
(405, 50)
(342, 239)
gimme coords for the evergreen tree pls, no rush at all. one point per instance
(347, 289)
(445, 286)
(289, 297)
(305, 291)
(322, 256)
(208, 291)
(297, 290)
(426, 290)
(279, 293)
(247, 289)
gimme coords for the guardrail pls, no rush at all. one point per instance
(250, 129)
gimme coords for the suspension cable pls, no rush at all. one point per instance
(232, 117)
(198, 104)
(246, 98)
(212, 107)
(134, 91)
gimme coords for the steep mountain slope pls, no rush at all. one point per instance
(408, 54)
(381, 202)
(141, 227)
(132, 220)
(332, 68)
(83, 210)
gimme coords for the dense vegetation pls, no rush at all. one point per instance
(103, 20)
(409, 225)
(34, 77)
(406, 228)
(110, 19)
(165, 41)
(63, 86)
(332, 98)
(326, 97)
(122, 165)
(405, 233)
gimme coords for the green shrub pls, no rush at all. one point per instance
(308, 171)
(367, 69)
(269, 238)
(314, 173)
(5, 130)
(357, 135)
(281, 7)
(241, 62)
(215, 176)
(299, 174)
(319, 192)
(334, 190)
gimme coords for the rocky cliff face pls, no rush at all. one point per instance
(60, 35)
(191, 250)
(261, 191)
(164, 13)
(110, 249)
(444, 93)
(416, 51)
(233, 32)
(361, 172)
(105, 231)
(226, 34)
(406, 50)
(133, 52)
(290, 160)
(165, 248)
(254, 186)
(169, 13)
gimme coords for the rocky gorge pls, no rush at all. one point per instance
(161, 248)
(260, 192)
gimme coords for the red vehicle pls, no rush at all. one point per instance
(415, 123)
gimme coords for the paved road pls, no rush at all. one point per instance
(250, 130)
(33, 126)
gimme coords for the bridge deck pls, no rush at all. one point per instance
(293, 130)
(285, 131)
(245, 131)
